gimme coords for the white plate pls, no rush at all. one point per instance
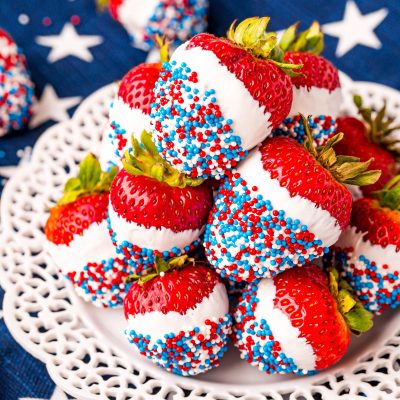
(84, 347)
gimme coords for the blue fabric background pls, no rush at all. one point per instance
(21, 376)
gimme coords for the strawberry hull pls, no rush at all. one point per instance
(200, 126)
(177, 20)
(371, 270)
(257, 229)
(188, 342)
(17, 94)
(90, 263)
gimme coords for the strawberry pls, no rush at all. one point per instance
(298, 322)
(219, 97)
(130, 110)
(283, 206)
(177, 20)
(316, 87)
(78, 240)
(155, 210)
(178, 316)
(17, 94)
(369, 249)
(370, 138)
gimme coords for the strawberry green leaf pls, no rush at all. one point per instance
(251, 34)
(72, 184)
(71, 196)
(102, 4)
(90, 180)
(144, 160)
(344, 169)
(163, 44)
(89, 172)
(357, 318)
(161, 266)
(389, 196)
(311, 40)
(379, 126)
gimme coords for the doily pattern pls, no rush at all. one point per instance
(40, 315)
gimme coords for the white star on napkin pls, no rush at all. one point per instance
(356, 28)
(69, 43)
(51, 107)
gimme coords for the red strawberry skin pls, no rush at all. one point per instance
(66, 221)
(355, 143)
(300, 173)
(137, 86)
(381, 224)
(318, 72)
(267, 84)
(178, 290)
(113, 6)
(303, 295)
(151, 203)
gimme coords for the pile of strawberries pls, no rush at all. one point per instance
(223, 179)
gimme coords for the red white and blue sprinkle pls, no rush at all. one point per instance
(140, 258)
(375, 285)
(322, 128)
(16, 95)
(246, 238)
(177, 20)
(255, 340)
(189, 352)
(102, 284)
(189, 129)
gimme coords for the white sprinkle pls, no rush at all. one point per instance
(23, 19)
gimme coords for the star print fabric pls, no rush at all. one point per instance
(73, 50)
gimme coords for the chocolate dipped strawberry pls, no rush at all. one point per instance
(178, 316)
(177, 20)
(283, 206)
(371, 137)
(130, 110)
(298, 322)
(16, 87)
(316, 89)
(154, 209)
(217, 98)
(78, 240)
(368, 251)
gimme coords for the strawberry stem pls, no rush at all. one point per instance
(345, 169)
(358, 319)
(379, 126)
(389, 196)
(101, 5)
(163, 45)
(311, 40)
(160, 266)
(251, 35)
(145, 161)
(91, 179)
